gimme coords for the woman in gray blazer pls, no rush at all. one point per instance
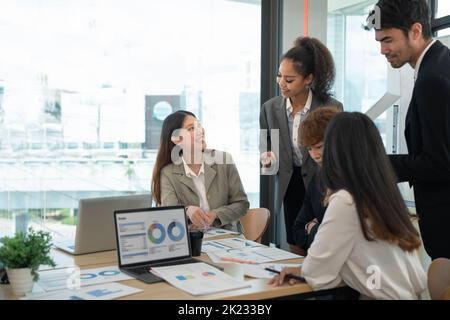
(306, 75)
(205, 181)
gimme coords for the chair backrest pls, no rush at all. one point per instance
(255, 223)
(439, 279)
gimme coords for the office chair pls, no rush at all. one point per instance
(439, 279)
(255, 223)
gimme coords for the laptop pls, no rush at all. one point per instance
(95, 227)
(152, 237)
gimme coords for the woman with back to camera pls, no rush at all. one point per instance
(305, 77)
(205, 181)
(366, 238)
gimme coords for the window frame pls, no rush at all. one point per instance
(271, 52)
(438, 24)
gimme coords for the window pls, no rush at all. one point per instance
(443, 33)
(442, 8)
(85, 85)
(361, 71)
(441, 21)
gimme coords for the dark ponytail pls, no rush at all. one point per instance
(311, 56)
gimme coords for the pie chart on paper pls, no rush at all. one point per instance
(208, 274)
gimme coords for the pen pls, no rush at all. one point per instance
(205, 226)
(238, 260)
(289, 276)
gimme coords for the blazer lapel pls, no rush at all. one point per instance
(210, 175)
(285, 141)
(315, 103)
(178, 171)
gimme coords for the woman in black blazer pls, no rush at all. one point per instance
(305, 78)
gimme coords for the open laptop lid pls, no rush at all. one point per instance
(95, 229)
(151, 235)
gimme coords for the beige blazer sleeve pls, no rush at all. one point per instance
(168, 194)
(237, 203)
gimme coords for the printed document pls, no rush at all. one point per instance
(198, 278)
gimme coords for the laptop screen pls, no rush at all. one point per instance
(151, 235)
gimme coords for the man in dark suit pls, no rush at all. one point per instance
(403, 29)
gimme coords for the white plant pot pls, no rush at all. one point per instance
(21, 281)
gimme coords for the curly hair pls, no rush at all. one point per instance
(312, 129)
(311, 56)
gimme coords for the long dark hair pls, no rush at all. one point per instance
(354, 159)
(310, 56)
(170, 124)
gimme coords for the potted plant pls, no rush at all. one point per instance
(22, 255)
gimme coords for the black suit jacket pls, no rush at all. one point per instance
(312, 208)
(427, 131)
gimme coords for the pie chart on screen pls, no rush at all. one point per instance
(156, 233)
(175, 231)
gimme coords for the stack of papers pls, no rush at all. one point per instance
(214, 232)
(244, 251)
(198, 278)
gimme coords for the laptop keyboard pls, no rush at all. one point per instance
(174, 263)
(140, 270)
(146, 269)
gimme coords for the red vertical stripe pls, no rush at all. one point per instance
(306, 17)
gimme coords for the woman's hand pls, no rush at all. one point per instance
(268, 159)
(210, 217)
(197, 216)
(310, 225)
(279, 278)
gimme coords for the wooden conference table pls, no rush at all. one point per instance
(259, 289)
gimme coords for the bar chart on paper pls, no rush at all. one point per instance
(99, 293)
(198, 278)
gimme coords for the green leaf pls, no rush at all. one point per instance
(27, 251)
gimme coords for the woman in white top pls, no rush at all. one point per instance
(366, 238)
